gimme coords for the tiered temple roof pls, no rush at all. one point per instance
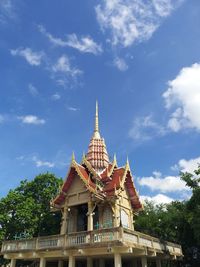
(97, 154)
(104, 179)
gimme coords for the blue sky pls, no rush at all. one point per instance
(139, 59)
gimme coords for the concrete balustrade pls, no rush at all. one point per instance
(117, 236)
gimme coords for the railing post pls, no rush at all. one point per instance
(138, 239)
(91, 236)
(64, 241)
(152, 244)
(37, 243)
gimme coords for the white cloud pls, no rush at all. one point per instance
(33, 58)
(187, 165)
(133, 20)
(59, 161)
(145, 128)
(163, 7)
(53, 40)
(40, 163)
(158, 199)
(31, 119)
(84, 44)
(163, 184)
(72, 109)
(33, 90)
(55, 96)
(120, 63)
(184, 95)
(64, 73)
(7, 11)
(63, 65)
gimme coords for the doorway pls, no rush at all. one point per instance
(82, 217)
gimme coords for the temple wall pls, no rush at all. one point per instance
(77, 193)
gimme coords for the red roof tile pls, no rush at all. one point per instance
(116, 179)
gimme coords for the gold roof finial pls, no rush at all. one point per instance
(83, 157)
(115, 160)
(127, 163)
(73, 157)
(96, 128)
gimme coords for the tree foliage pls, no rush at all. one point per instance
(178, 221)
(26, 210)
(193, 205)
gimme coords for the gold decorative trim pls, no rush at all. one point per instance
(75, 165)
(114, 164)
(89, 166)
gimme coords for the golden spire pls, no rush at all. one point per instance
(96, 128)
(97, 154)
(127, 163)
(83, 157)
(73, 157)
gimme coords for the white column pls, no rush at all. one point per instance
(42, 262)
(144, 261)
(89, 262)
(12, 262)
(158, 263)
(63, 228)
(101, 263)
(71, 261)
(117, 260)
(60, 263)
(90, 217)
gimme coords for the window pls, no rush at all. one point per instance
(124, 219)
(107, 218)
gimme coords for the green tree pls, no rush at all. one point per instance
(178, 221)
(26, 209)
(193, 205)
(193, 216)
(167, 222)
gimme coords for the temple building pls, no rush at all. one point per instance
(98, 201)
